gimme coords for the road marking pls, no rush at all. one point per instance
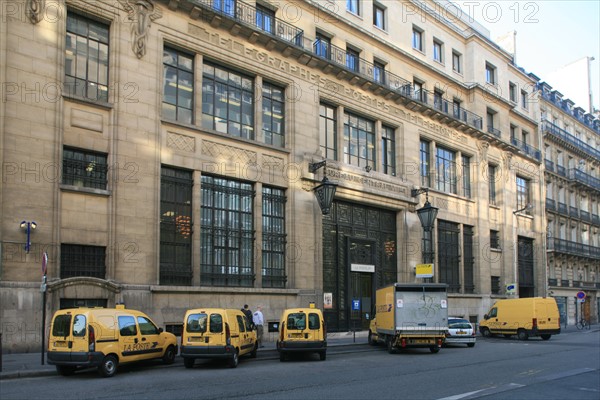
(484, 392)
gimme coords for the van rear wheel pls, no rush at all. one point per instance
(64, 370)
(434, 349)
(169, 356)
(522, 334)
(390, 345)
(486, 332)
(234, 361)
(108, 367)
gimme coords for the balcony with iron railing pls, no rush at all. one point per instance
(551, 97)
(550, 204)
(563, 209)
(573, 212)
(527, 148)
(565, 136)
(595, 219)
(573, 248)
(494, 131)
(561, 170)
(549, 165)
(577, 175)
(585, 215)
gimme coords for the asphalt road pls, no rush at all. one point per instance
(565, 367)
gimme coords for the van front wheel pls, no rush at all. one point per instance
(108, 368)
(169, 356)
(486, 332)
(522, 334)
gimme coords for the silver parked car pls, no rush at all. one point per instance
(460, 331)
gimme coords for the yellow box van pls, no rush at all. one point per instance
(217, 333)
(104, 338)
(302, 330)
(525, 317)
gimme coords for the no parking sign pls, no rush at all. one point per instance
(581, 297)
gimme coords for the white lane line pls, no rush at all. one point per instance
(484, 392)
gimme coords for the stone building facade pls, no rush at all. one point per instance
(162, 148)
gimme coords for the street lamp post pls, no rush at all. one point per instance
(325, 192)
(28, 227)
(427, 215)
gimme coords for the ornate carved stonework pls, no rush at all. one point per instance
(35, 10)
(141, 13)
(483, 149)
(230, 153)
(181, 142)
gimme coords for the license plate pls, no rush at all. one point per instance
(421, 341)
(60, 344)
(295, 335)
(196, 339)
(461, 333)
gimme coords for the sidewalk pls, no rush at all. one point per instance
(24, 365)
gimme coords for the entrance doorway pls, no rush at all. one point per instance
(361, 259)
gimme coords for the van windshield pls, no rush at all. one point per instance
(196, 323)
(296, 321)
(61, 325)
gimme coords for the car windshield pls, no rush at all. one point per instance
(459, 324)
(196, 323)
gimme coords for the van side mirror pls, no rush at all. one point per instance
(485, 316)
(160, 330)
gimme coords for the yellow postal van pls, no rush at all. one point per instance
(525, 317)
(217, 333)
(104, 338)
(302, 330)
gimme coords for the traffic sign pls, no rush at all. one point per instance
(44, 263)
(581, 295)
(355, 305)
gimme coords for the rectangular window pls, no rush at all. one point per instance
(417, 38)
(178, 89)
(490, 74)
(512, 92)
(513, 131)
(352, 6)
(438, 100)
(328, 131)
(265, 19)
(352, 59)
(225, 6)
(175, 226)
(456, 62)
(418, 91)
(445, 169)
(424, 154)
(80, 260)
(524, 102)
(359, 141)
(495, 281)
(468, 259)
(274, 238)
(388, 150)
(449, 255)
(492, 183)
(490, 120)
(466, 176)
(84, 168)
(322, 46)
(438, 48)
(456, 109)
(379, 72)
(379, 16)
(495, 240)
(227, 239)
(522, 194)
(227, 102)
(86, 58)
(273, 114)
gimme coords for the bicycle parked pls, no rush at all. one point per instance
(582, 324)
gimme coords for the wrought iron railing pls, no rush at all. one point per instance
(573, 248)
(573, 212)
(550, 204)
(579, 176)
(550, 96)
(560, 133)
(494, 131)
(527, 148)
(247, 15)
(595, 219)
(552, 281)
(585, 215)
(561, 170)
(549, 165)
(562, 208)
(564, 282)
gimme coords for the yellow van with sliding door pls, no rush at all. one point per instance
(302, 330)
(105, 338)
(217, 333)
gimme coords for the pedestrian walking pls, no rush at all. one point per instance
(259, 321)
(248, 314)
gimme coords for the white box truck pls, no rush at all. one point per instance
(410, 315)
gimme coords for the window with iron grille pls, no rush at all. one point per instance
(227, 101)
(424, 163)
(178, 95)
(86, 58)
(468, 259)
(227, 240)
(492, 183)
(388, 150)
(328, 131)
(495, 285)
(352, 59)
(466, 175)
(176, 226)
(448, 255)
(225, 6)
(379, 72)
(359, 141)
(274, 238)
(273, 114)
(84, 168)
(81, 260)
(495, 240)
(445, 170)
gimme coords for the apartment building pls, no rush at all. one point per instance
(165, 154)
(572, 162)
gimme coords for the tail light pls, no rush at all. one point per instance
(403, 343)
(227, 334)
(440, 341)
(92, 339)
